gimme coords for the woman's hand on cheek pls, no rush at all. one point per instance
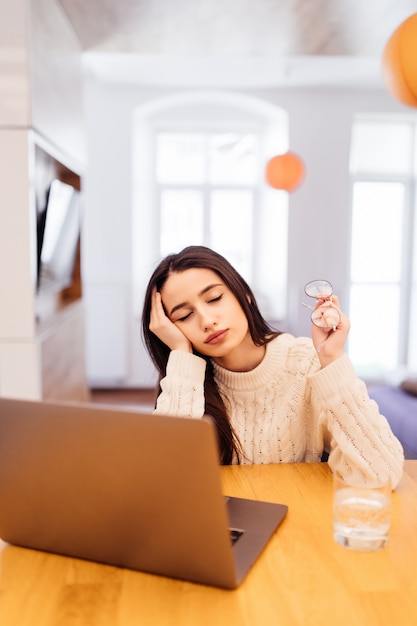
(331, 345)
(164, 329)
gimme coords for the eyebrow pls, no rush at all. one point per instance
(201, 293)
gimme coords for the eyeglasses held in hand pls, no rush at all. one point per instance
(325, 316)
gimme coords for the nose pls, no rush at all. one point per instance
(207, 321)
(208, 325)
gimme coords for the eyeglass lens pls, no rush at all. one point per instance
(326, 316)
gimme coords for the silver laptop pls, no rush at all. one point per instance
(129, 489)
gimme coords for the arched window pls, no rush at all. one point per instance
(199, 163)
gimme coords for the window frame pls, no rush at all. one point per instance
(406, 279)
(257, 189)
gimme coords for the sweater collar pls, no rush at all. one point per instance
(261, 375)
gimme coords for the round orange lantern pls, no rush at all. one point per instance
(399, 62)
(285, 171)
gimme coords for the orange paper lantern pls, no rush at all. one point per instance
(399, 62)
(285, 171)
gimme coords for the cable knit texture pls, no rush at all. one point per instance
(288, 410)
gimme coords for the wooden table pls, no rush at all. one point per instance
(303, 578)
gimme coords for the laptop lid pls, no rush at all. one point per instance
(129, 489)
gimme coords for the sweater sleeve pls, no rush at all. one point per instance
(182, 388)
(362, 444)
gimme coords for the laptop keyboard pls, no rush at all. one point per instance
(235, 534)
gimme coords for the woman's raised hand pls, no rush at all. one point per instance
(330, 345)
(164, 329)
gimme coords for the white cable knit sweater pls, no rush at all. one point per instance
(288, 410)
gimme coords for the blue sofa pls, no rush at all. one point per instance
(400, 409)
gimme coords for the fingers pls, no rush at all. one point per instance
(330, 345)
(158, 319)
(344, 321)
(333, 302)
(157, 310)
(163, 328)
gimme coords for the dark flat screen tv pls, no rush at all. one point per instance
(58, 236)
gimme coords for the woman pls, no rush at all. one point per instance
(274, 398)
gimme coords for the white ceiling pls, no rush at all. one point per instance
(231, 42)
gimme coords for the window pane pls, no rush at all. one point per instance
(231, 228)
(412, 344)
(377, 232)
(373, 339)
(232, 159)
(180, 158)
(181, 220)
(412, 337)
(381, 147)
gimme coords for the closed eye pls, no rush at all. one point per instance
(216, 299)
(211, 301)
(185, 317)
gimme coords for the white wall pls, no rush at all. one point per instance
(14, 85)
(40, 90)
(319, 221)
(319, 224)
(56, 81)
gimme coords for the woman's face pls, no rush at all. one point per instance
(199, 303)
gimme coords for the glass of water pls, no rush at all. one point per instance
(361, 515)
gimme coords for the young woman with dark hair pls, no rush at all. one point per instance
(274, 398)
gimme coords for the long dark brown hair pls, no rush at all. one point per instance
(261, 332)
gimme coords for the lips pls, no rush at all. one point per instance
(216, 337)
